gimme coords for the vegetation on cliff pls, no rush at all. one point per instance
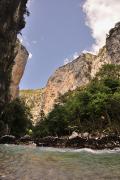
(94, 108)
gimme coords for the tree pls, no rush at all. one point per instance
(93, 108)
(18, 118)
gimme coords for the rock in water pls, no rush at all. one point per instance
(7, 139)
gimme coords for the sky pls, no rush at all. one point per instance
(57, 31)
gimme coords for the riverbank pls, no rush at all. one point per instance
(107, 142)
(96, 143)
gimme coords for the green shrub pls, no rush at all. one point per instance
(93, 108)
(18, 118)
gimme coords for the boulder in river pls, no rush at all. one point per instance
(26, 138)
(74, 135)
(7, 139)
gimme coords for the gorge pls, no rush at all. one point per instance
(67, 130)
(69, 77)
(75, 74)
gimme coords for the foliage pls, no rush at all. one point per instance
(93, 108)
(17, 117)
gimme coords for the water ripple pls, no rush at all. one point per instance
(25, 163)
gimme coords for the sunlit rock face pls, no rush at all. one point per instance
(113, 44)
(65, 78)
(79, 72)
(33, 99)
(18, 70)
(73, 75)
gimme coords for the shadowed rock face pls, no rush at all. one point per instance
(18, 70)
(11, 22)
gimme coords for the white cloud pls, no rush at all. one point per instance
(71, 58)
(24, 40)
(86, 51)
(30, 56)
(75, 55)
(29, 3)
(66, 61)
(21, 39)
(101, 16)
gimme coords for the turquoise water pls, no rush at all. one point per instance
(31, 163)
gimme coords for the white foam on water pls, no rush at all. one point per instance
(79, 150)
(97, 151)
(63, 150)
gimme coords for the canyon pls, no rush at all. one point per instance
(75, 74)
(14, 57)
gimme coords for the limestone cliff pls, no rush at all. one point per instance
(11, 22)
(113, 44)
(18, 69)
(33, 99)
(81, 70)
(74, 74)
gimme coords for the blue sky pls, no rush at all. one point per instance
(54, 31)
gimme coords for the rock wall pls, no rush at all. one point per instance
(18, 69)
(75, 74)
(33, 99)
(11, 22)
(81, 70)
(67, 77)
(113, 44)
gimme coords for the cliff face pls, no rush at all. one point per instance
(11, 22)
(69, 77)
(81, 70)
(18, 69)
(65, 78)
(33, 99)
(75, 74)
(113, 44)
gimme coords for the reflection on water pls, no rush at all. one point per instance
(26, 163)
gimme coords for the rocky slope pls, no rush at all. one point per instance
(11, 22)
(81, 70)
(33, 99)
(75, 74)
(113, 44)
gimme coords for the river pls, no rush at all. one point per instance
(31, 163)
